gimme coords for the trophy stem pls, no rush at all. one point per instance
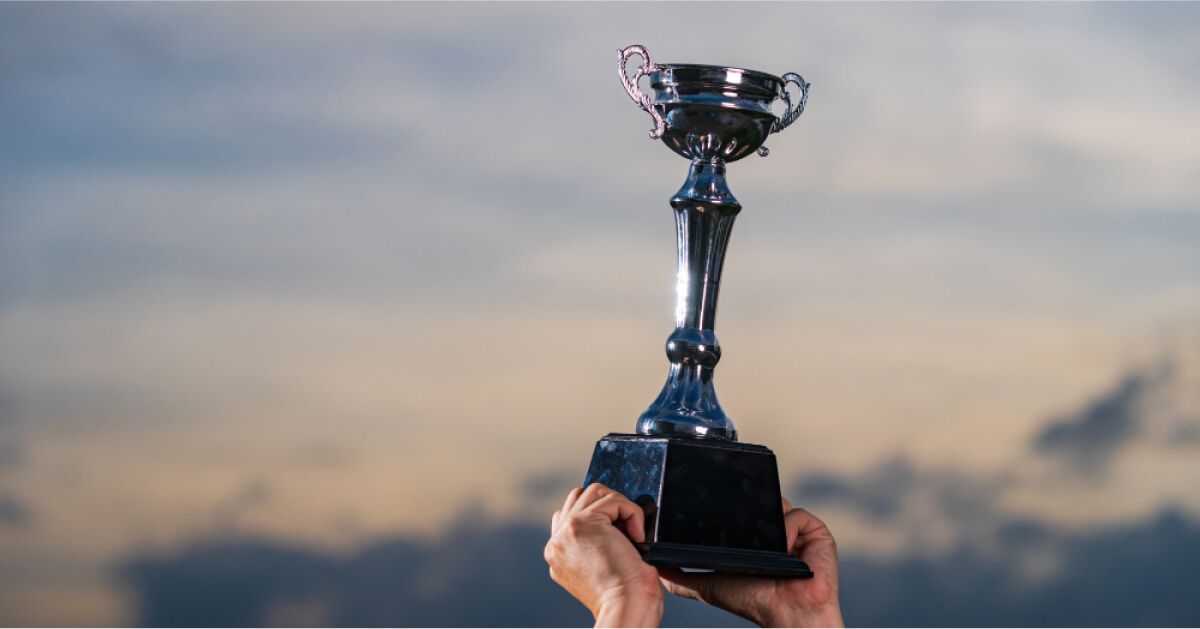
(704, 213)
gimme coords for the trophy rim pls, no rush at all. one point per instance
(699, 86)
(709, 66)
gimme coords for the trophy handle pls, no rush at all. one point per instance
(631, 85)
(789, 116)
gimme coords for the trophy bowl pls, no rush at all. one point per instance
(713, 111)
(707, 112)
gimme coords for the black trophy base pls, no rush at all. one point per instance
(710, 504)
(728, 560)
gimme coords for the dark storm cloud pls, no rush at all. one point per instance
(1135, 575)
(482, 574)
(879, 494)
(254, 493)
(884, 492)
(1089, 437)
(225, 583)
(14, 513)
(492, 574)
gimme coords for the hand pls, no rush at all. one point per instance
(591, 555)
(772, 602)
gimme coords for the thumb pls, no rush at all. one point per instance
(680, 583)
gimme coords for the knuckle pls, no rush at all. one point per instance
(573, 526)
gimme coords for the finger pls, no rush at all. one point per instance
(572, 496)
(559, 518)
(590, 494)
(681, 583)
(624, 513)
(708, 587)
(806, 525)
(787, 506)
(801, 526)
(811, 537)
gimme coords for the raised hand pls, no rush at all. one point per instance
(591, 555)
(772, 602)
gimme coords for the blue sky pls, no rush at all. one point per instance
(266, 270)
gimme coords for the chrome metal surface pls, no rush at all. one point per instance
(704, 214)
(631, 84)
(793, 111)
(714, 112)
(711, 115)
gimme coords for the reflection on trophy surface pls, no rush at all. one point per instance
(711, 502)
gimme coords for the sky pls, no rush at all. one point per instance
(312, 313)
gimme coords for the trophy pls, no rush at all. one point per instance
(711, 502)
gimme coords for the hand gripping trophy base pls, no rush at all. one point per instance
(711, 502)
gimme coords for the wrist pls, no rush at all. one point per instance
(624, 608)
(824, 616)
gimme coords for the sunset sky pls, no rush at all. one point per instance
(326, 275)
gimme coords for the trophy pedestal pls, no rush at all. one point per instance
(710, 504)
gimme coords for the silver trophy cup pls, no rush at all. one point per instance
(711, 502)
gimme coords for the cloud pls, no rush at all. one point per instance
(492, 574)
(230, 582)
(480, 574)
(227, 514)
(1140, 433)
(1089, 437)
(226, 232)
(1186, 433)
(14, 512)
(550, 484)
(922, 502)
(1133, 575)
(881, 493)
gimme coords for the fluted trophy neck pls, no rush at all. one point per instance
(704, 213)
